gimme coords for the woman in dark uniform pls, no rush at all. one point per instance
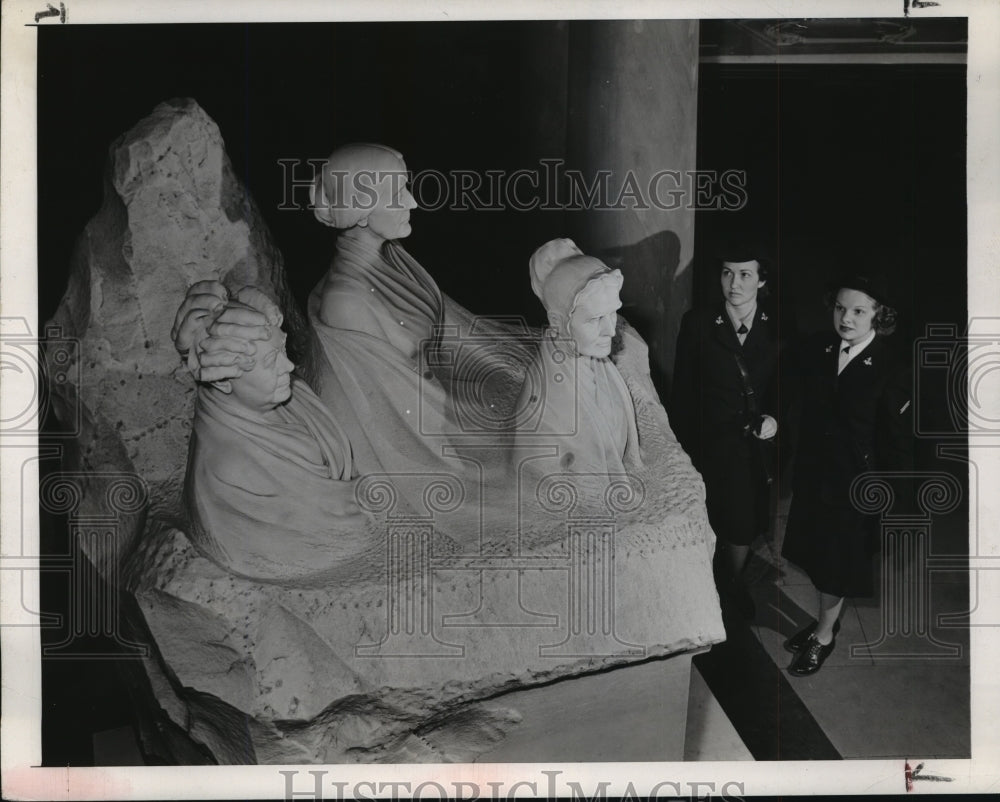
(723, 388)
(855, 417)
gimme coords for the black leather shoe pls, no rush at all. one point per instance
(811, 658)
(797, 642)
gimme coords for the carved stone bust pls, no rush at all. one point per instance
(585, 406)
(268, 484)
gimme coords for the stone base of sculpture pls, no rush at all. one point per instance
(351, 670)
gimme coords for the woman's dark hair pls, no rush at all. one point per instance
(885, 319)
(763, 267)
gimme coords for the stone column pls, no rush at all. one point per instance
(633, 111)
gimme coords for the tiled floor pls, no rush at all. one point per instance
(897, 684)
(710, 734)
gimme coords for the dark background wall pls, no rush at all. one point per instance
(846, 165)
(449, 96)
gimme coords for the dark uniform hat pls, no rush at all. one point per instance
(737, 250)
(873, 285)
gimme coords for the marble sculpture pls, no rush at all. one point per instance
(389, 593)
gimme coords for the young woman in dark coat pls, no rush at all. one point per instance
(855, 418)
(716, 418)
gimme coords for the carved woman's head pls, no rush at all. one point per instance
(364, 185)
(580, 294)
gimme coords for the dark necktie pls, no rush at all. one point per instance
(742, 329)
(842, 362)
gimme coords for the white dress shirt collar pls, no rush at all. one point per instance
(746, 319)
(853, 351)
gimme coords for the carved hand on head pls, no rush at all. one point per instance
(258, 383)
(218, 339)
(203, 299)
(364, 186)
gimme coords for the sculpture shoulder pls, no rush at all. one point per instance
(343, 306)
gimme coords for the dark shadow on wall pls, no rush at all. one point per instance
(654, 296)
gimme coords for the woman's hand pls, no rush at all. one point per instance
(768, 428)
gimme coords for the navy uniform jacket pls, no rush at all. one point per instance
(708, 412)
(858, 421)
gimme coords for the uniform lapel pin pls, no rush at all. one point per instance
(718, 320)
(763, 316)
(829, 349)
(868, 361)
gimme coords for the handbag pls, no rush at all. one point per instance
(754, 419)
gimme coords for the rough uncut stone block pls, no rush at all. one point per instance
(174, 213)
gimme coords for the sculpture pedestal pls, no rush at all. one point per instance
(632, 714)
